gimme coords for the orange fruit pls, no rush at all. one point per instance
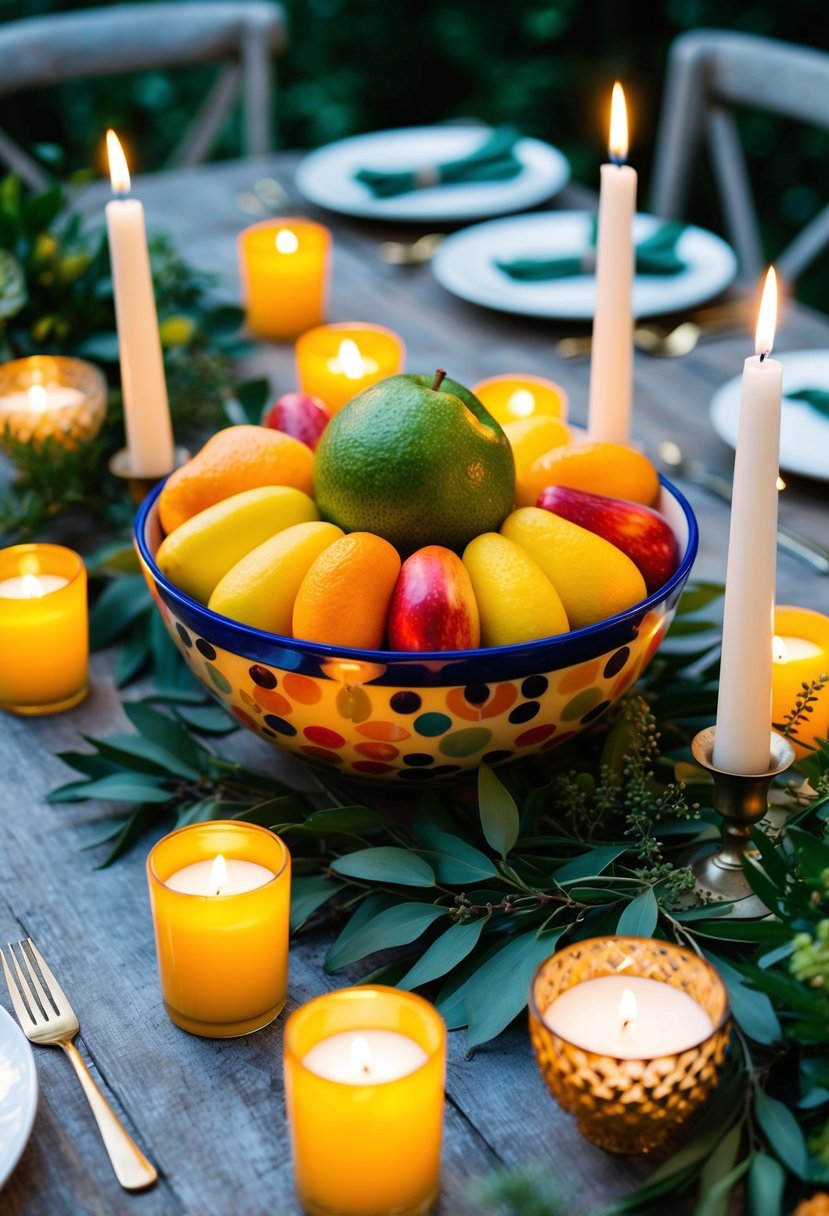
(344, 598)
(235, 459)
(600, 468)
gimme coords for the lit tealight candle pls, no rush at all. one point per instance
(511, 398)
(611, 362)
(800, 655)
(336, 362)
(364, 1076)
(220, 895)
(630, 1018)
(51, 397)
(44, 643)
(284, 267)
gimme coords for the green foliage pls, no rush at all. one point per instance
(56, 298)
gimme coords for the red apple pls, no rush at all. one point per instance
(299, 415)
(433, 606)
(638, 531)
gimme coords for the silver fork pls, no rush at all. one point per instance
(47, 1018)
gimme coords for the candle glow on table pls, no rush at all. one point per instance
(149, 431)
(744, 702)
(285, 267)
(611, 363)
(628, 1017)
(800, 655)
(51, 397)
(630, 1035)
(364, 1077)
(510, 398)
(44, 637)
(336, 362)
(220, 896)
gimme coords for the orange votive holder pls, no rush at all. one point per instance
(284, 266)
(511, 398)
(222, 958)
(800, 656)
(366, 1149)
(44, 629)
(336, 362)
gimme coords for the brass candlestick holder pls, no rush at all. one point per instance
(139, 487)
(742, 801)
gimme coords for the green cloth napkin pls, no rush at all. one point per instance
(817, 398)
(655, 255)
(494, 160)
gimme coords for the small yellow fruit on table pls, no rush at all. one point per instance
(516, 600)
(594, 579)
(260, 589)
(202, 550)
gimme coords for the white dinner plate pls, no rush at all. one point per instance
(465, 264)
(804, 433)
(326, 176)
(18, 1093)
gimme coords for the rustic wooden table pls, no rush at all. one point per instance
(210, 1114)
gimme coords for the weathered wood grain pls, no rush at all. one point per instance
(211, 1114)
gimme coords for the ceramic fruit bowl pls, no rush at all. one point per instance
(415, 718)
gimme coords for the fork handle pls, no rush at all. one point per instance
(132, 1169)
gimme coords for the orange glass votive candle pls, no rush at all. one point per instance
(800, 656)
(44, 629)
(510, 398)
(284, 266)
(221, 926)
(364, 1078)
(336, 362)
(51, 397)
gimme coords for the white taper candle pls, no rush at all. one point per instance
(744, 703)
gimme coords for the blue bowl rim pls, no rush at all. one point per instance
(326, 653)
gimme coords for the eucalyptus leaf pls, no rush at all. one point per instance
(117, 787)
(752, 1010)
(13, 293)
(444, 954)
(350, 820)
(121, 602)
(640, 917)
(713, 1201)
(457, 863)
(308, 895)
(386, 863)
(499, 990)
(498, 811)
(591, 863)
(133, 655)
(388, 927)
(162, 730)
(286, 808)
(207, 719)
(138, 823)
(765, 1186)
(133, 751)
(783, 1133)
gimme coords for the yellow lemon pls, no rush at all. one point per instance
(202, 549)
(260, 589)
(594, 579)
(531, 437)
(516, 600)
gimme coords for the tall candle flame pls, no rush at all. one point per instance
(360, 1054)
(218, 875)
(119, 173)
(627, 1009)
(778, 650)
(767, 317)
(618, 143)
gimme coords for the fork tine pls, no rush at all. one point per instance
(26, 1011)
(57, 997)
(36, 992)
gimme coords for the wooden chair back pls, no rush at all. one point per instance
(121, 38)
(709, 72)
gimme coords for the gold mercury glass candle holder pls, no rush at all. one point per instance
(51, 397)
(628, 1105)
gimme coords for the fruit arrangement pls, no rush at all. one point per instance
(413, 521)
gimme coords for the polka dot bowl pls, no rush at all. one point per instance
(415, 718)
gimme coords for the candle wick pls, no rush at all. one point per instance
(366, 1070)
(763, 354)
(627, 1022)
